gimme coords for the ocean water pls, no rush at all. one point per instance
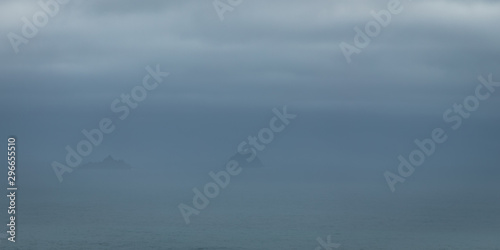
(258, 210)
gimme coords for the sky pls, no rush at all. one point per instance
(276, 51)
(229, 68)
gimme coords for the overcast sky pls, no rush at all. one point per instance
(280, 51)
(264, 54)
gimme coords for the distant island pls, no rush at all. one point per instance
(108, 163)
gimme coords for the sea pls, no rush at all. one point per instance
(261, 208)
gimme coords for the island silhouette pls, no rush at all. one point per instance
(108, 163)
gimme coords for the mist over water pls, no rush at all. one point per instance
(325, 178)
